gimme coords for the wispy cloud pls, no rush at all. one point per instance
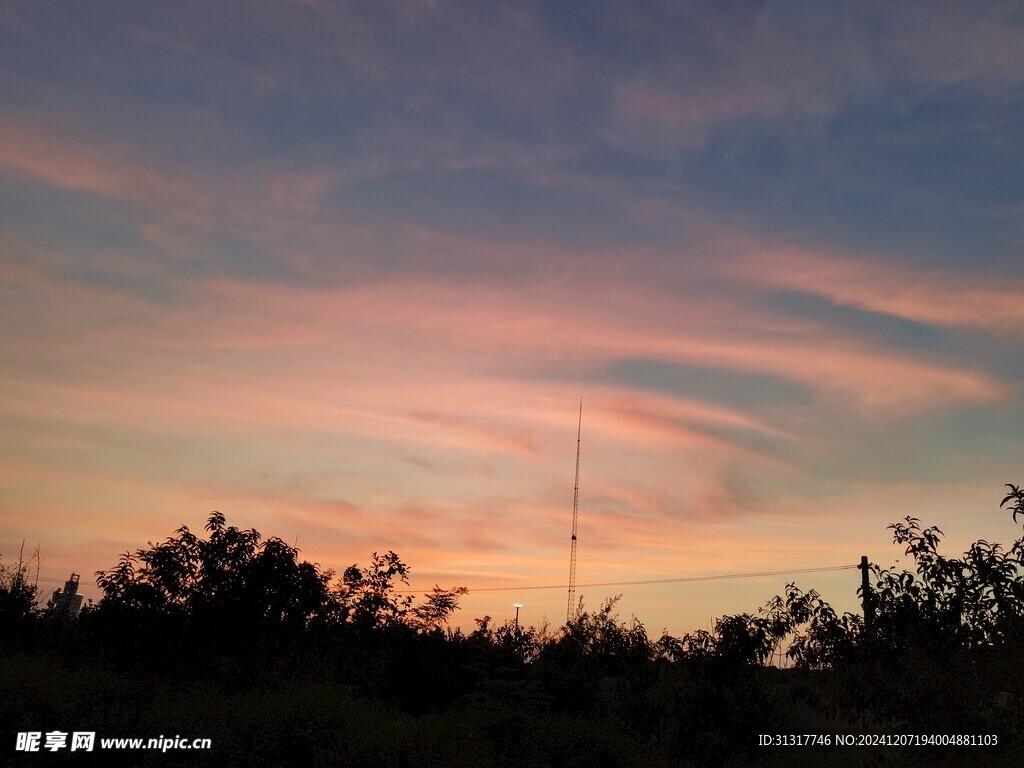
(949, 297)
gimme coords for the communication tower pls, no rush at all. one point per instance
(571, 611)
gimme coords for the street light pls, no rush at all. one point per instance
(518, 606)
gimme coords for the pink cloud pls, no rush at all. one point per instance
(942, 297)
(428, 359)
(180, 203)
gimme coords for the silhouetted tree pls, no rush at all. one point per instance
(18, 592)
(820, 637)
(229, 591)
(972, 602)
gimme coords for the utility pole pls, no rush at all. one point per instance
(867, 599)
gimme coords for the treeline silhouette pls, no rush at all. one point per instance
(231, 636)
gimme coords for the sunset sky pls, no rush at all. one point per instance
(343, 271)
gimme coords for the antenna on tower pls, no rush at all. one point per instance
(571, 612)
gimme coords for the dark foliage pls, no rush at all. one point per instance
(280, 662)
(18, 593)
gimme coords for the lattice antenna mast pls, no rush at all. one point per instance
(571, 612)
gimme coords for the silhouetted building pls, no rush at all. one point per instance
(68, 602)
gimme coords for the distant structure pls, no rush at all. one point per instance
(68, 602)
(571, 611)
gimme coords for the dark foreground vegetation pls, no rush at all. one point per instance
(232, 637)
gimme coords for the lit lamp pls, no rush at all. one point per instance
(518, 606)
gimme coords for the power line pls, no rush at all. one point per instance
(30, 579)
(676, 580)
